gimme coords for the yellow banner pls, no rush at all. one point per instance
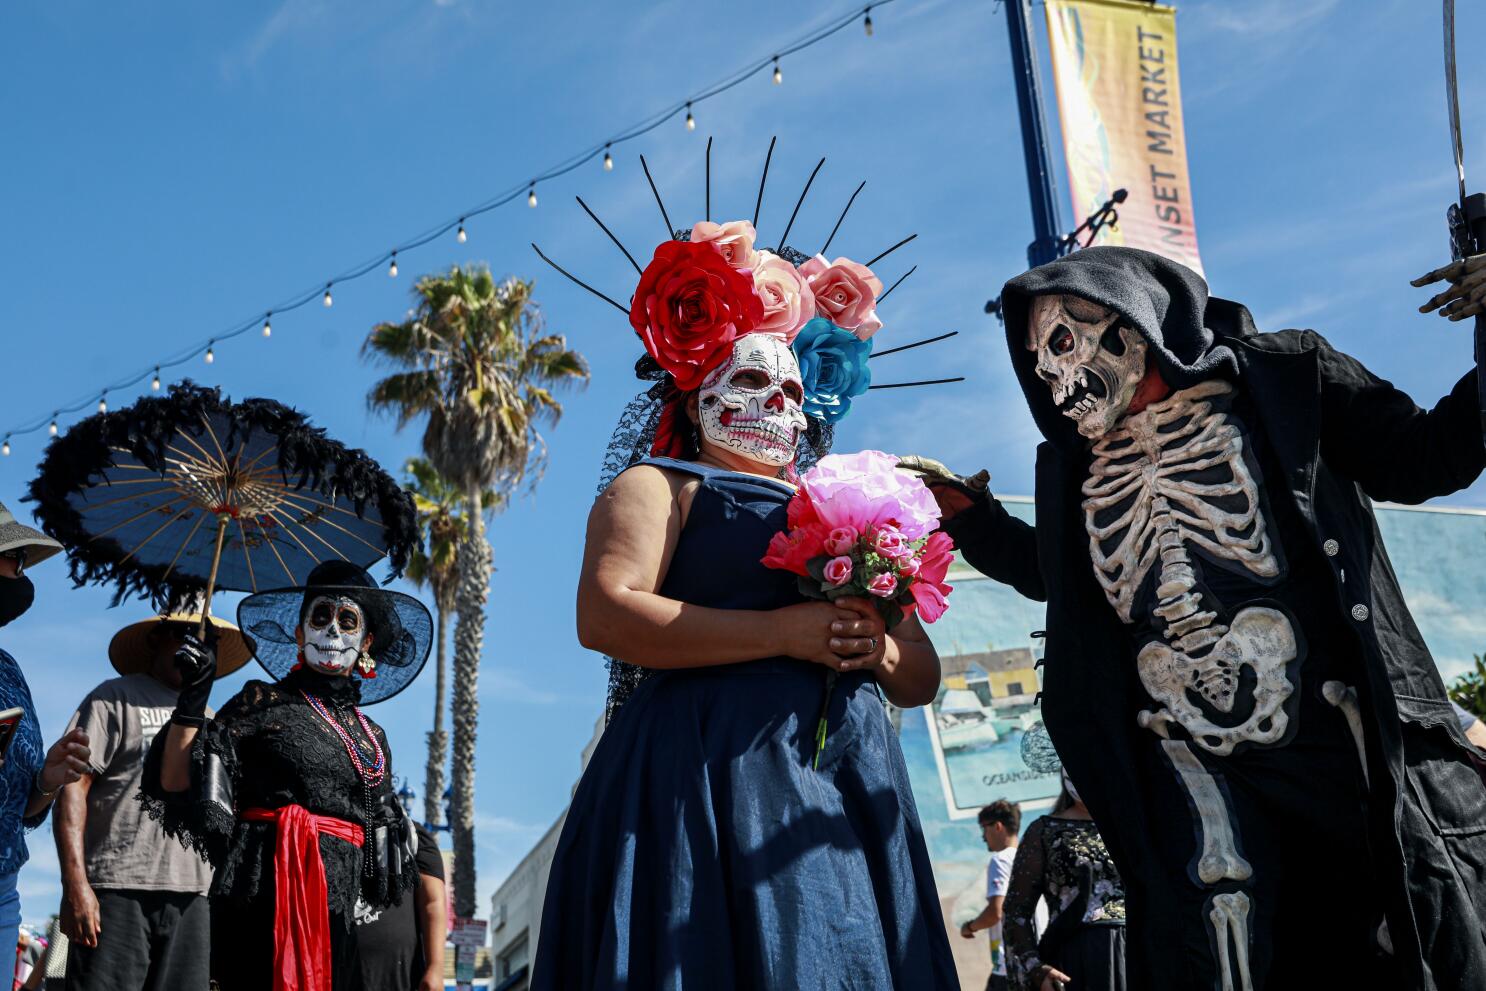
(1119, 97)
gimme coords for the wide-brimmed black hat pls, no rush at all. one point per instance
(400, 626)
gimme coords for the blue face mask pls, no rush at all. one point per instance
(16, 596)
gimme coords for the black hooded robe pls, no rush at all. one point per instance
(1332, 436)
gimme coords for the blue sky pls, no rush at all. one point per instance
(172, 169)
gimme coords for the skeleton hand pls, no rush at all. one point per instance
(954, 493)
(1466, 296)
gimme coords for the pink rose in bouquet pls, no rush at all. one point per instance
(838, 570)
(884, 586)
(889, 541)
(841, 540)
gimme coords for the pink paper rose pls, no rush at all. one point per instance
(838, 571)
(841, 540)
(868, 489)
(845, 294)
(909, 566)
(884, 586)
(734, 239)
(789, 303)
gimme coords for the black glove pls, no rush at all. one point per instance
(197, 663)
(941, 481)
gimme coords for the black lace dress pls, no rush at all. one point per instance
(1065, 862)
(267, 748)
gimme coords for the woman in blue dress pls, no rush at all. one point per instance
(708, 846)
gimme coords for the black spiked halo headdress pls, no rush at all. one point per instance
(708, 286)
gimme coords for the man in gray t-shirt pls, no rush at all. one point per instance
(133, 902)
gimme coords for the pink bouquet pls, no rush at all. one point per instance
(860, 526)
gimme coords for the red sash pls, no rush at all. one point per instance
(301, 914)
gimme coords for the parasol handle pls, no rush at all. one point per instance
(211, 581)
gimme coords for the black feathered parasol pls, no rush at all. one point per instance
(191, 491)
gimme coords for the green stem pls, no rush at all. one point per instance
(820, 727)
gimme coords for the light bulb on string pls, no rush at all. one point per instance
(608, 160)
(154, 387)
(392, 268)
(461, 237)
(327, 300)
(778, 75)
(531, 195)
(867, 21)
(52, 429)
(691, 122)
(211, 355)
(267, 325)
(102, 405)
(5, 447)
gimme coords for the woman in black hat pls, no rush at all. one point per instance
(288, 790)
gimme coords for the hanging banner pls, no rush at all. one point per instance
(1119, 97)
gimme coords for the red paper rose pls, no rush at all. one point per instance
(690, 306)
(792, 550)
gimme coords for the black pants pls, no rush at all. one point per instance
(243, 945)
(148, 941)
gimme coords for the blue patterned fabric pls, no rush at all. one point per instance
(702, 851)
(22, 762)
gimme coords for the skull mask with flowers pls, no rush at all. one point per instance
(1091, 359)
(334, 631)
(751, 404)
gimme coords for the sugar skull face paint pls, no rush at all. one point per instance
(1091, 359)
(751, 404)
(334, 632)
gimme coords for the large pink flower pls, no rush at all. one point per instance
(867, 490)
(734, 239)
(929, 589)
(789, 303)
(845, 294)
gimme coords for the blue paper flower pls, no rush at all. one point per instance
(833, 368)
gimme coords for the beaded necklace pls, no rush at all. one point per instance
(370, 776)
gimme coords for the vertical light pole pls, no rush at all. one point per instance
(1044, 247)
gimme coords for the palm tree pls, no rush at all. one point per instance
(438, 503)
(475, 360)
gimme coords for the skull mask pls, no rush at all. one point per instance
(751, 405)
(1091, 359)
(334, 633)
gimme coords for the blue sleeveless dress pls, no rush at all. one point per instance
(702, 851)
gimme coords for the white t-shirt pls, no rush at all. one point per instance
(998, 879)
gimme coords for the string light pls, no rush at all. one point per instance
(211, 355)
(392, 269)
(52, 429)
(5, 447)
(602, 151)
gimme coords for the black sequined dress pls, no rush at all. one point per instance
(267, 748)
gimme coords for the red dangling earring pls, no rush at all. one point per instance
(299, 660)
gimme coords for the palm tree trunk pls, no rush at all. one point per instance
(469, 637)
(438, 740)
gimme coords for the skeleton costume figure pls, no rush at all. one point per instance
(1231, 673)
(291, 796)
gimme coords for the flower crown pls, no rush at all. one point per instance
(700, 294)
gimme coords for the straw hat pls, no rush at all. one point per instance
(15, 535)
(131, 652)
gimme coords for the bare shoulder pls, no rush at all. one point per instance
(648, 487)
